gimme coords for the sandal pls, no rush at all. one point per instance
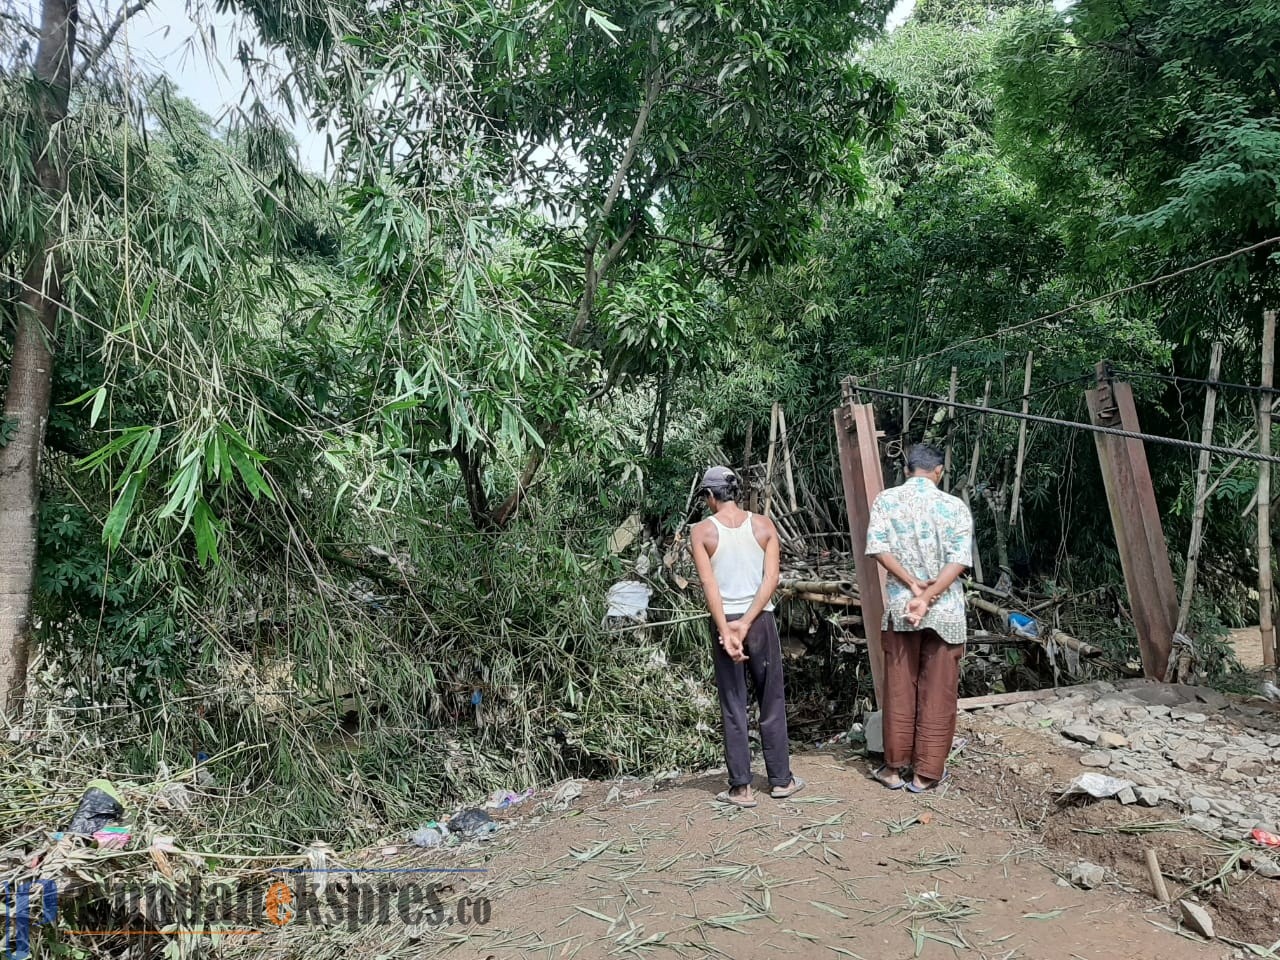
(746, 800)
(912, 788)
(878, 775)
(794, 787)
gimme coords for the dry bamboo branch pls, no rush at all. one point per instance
(1202, 482)
(1265, 607)
(1053, 635)
(1022, 443)
(1153, 868)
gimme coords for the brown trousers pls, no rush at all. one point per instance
(922, 676)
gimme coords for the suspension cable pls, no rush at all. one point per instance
(1075, 425)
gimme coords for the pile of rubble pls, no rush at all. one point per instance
(1190, 748)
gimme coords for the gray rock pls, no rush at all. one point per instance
(875, 733)
(1263, 865)
(1184, 761)
(1127, 796)
(1199, 805)
(1112, 741)
(1232, 776)
(1096, 758)
(1187, 716)
(1273, 741)
(1251, 768)
(1158, 711)
(1149, 796)
(1196, 918)
(1204, 823)
(1081, 733)
(1088, 875)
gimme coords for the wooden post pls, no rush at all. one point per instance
(1136, 519)
(1266, 610)
(1157, 877)
(746, 452)
(768, 467)
(1022, 444)
(863, 480)
(951, 415)
(786, 460)
(1202, 481)
(973, 480)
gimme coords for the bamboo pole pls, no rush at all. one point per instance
(844, 587)
(1057, 636)
(786, 460)
(768, 467)
(973, 479)
(1157, 877)
(1022, 443)
(951, 415)
(746, 452)
(1265, 607)
(1202, 482)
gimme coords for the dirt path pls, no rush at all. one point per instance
(845, 869)
(1247, 642)
(848, 868)
(845, 873)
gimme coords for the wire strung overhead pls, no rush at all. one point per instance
(1074, 425)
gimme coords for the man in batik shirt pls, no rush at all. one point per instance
(924, 540)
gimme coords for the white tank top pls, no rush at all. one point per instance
(738, 565)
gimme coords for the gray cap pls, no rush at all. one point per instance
(718, 478)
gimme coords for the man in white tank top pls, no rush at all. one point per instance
(737, 556)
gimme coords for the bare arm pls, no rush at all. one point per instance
(710, 589)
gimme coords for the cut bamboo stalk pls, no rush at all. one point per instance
(786, 459)
(1055, 635)
(951, 415)
(973, 479)
(829, 599)
(746, 450)
(1157, 878)
(1202, 482)
(1265, 608)
(1022, 444)
(845, 587)
(768, 467)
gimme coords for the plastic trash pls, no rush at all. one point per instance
(112, 838)
(472, 823)
(1265, 837)
(566, 794)
(1024, 626)
(1095, 785)
(628, 598)
(502, 799)
(427, 837)
(100, 806)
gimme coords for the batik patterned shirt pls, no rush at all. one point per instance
(925, 529)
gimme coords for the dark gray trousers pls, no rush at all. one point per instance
(764, 663)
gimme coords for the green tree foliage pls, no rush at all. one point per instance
(1156, 124)
(712, 130)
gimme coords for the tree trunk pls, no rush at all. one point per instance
(26, 404)
(469, 465)
(663, 403)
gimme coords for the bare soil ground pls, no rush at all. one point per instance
(844, 869)
(1247, 642)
